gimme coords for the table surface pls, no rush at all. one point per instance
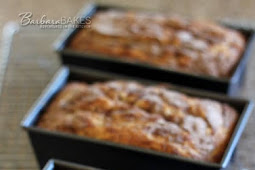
(31, 64)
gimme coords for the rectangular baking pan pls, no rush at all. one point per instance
(229, 86)
(55, 164)
(109, 155)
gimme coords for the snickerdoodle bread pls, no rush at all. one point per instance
(151, 117)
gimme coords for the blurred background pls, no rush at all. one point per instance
(32, 62)
(235, 9)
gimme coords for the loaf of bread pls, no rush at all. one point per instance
(151, 117)
(197, 47)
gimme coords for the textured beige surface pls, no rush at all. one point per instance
(32, 63)
(235, 9)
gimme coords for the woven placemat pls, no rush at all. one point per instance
(32, 62)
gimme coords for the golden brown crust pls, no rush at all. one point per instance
(151, 117)
(192, 46)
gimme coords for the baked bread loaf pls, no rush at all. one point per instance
(196, 47)
(151, 117)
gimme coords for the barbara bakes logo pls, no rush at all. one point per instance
(63, 22)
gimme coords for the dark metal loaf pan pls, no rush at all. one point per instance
(229, 86)
(109, 155)
(55, 164)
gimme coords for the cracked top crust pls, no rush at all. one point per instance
(197, 47)
(151, 117)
